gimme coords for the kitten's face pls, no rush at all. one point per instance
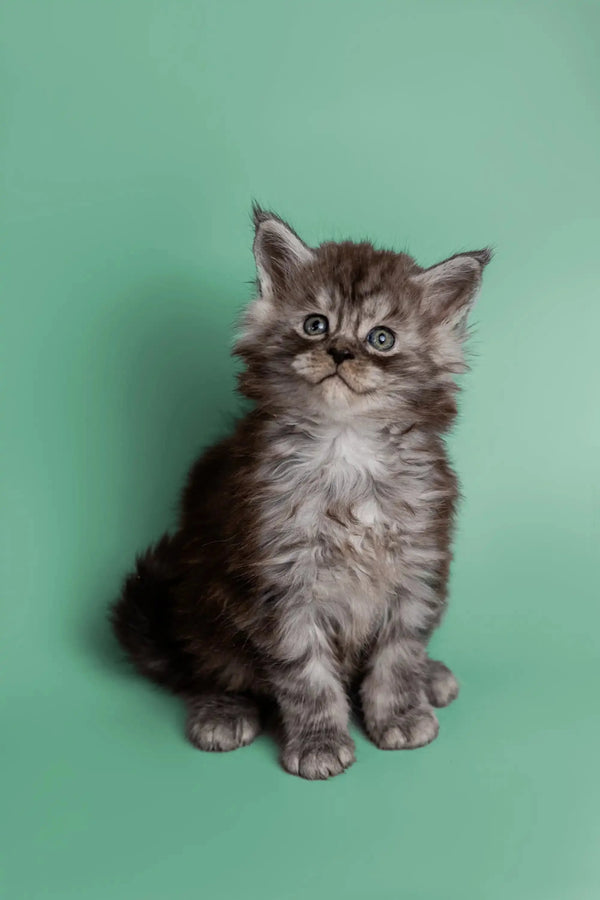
(346, 329)
(352, 348)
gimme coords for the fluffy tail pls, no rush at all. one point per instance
(141, 617)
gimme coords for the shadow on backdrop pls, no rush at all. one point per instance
(161, 380)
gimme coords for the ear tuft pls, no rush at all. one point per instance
(279, 252)
(483, 256)
(259, 214)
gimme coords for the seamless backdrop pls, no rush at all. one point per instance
(135, 135)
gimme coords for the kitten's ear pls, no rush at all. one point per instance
(278, 252)
(449, 288)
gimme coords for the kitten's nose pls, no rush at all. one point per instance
(339, 354)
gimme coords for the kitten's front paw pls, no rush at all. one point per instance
(405, 731)
(319, 757)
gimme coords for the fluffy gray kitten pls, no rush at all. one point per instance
(311, 559)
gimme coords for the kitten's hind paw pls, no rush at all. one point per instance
(222, 722)
(441, 684)
(320, 757)
(406, 731)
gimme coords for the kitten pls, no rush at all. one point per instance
(313, 546)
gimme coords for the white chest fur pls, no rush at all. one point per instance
(328, 529)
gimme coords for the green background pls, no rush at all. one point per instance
(135, 135)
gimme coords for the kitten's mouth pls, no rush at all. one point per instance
(342, 379)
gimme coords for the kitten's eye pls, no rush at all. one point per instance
(315, 325)
(381, 338)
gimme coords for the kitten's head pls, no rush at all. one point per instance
(344, 329)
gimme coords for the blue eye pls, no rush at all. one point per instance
(316, 325)
(381, 338)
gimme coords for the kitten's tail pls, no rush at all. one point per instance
(141, 617)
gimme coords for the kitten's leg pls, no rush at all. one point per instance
(441, 684)
(314, 710)
(397, 710)
(222, 721)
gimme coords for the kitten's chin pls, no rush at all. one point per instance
(336, 399)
